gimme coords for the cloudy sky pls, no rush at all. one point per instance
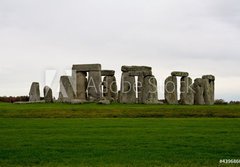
(40, 38)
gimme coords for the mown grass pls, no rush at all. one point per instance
(183, 142)
(58, 110)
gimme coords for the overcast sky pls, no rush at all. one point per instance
(197, 36)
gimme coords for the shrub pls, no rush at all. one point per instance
(220, 101)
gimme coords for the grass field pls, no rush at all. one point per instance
(58, 110)
(58, 135)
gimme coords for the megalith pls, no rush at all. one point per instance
(48, 95)
(171, 90)
(198, 91)
(94, 81)
(67, 92)
(128, 88)
(80, 84)
(208, 87)
(145, 87)
(34, 94)
(187, 92)
(150, 92)
(110, 91)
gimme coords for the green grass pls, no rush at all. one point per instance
(58, 110)
(59, 135)
(193, 142)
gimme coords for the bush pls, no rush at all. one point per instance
(220, 101)
(234, 102)
(13, 99)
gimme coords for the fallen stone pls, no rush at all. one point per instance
(104, 101)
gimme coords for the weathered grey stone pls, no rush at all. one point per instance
(29, 102)
(208, 91)
(67, 92)
(210, 77)
(150, 92)
(187, 92)
(94, 86)
(171, 90)
(77, 101)
(48, 96)
(104, 101)
(136, 68)
(140, 73)
(107, 72)
(86, 67)
(140, 84)
(128, 89)
(198, 91)
(34, 94)
(80, 85)
(179, 74)
(110, 88)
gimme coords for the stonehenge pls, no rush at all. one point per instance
(186, 89)
(92, 84)
(145, 89)
(204, 90)
(200, 92)
(89, 83)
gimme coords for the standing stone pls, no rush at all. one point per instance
(110, 88)
(67, 92)
(208, 89)
(140, 83)
(48, 97)
(94, 86)
(150, 92)
(187, 93)
(80, 81)
(198, 91)
(34, 94)
(171, 90)
(128, 92)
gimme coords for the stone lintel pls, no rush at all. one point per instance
(210, 77)
(86, 67)
(107, 72)
(136, 68)
(179, 74)
(140, 73)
